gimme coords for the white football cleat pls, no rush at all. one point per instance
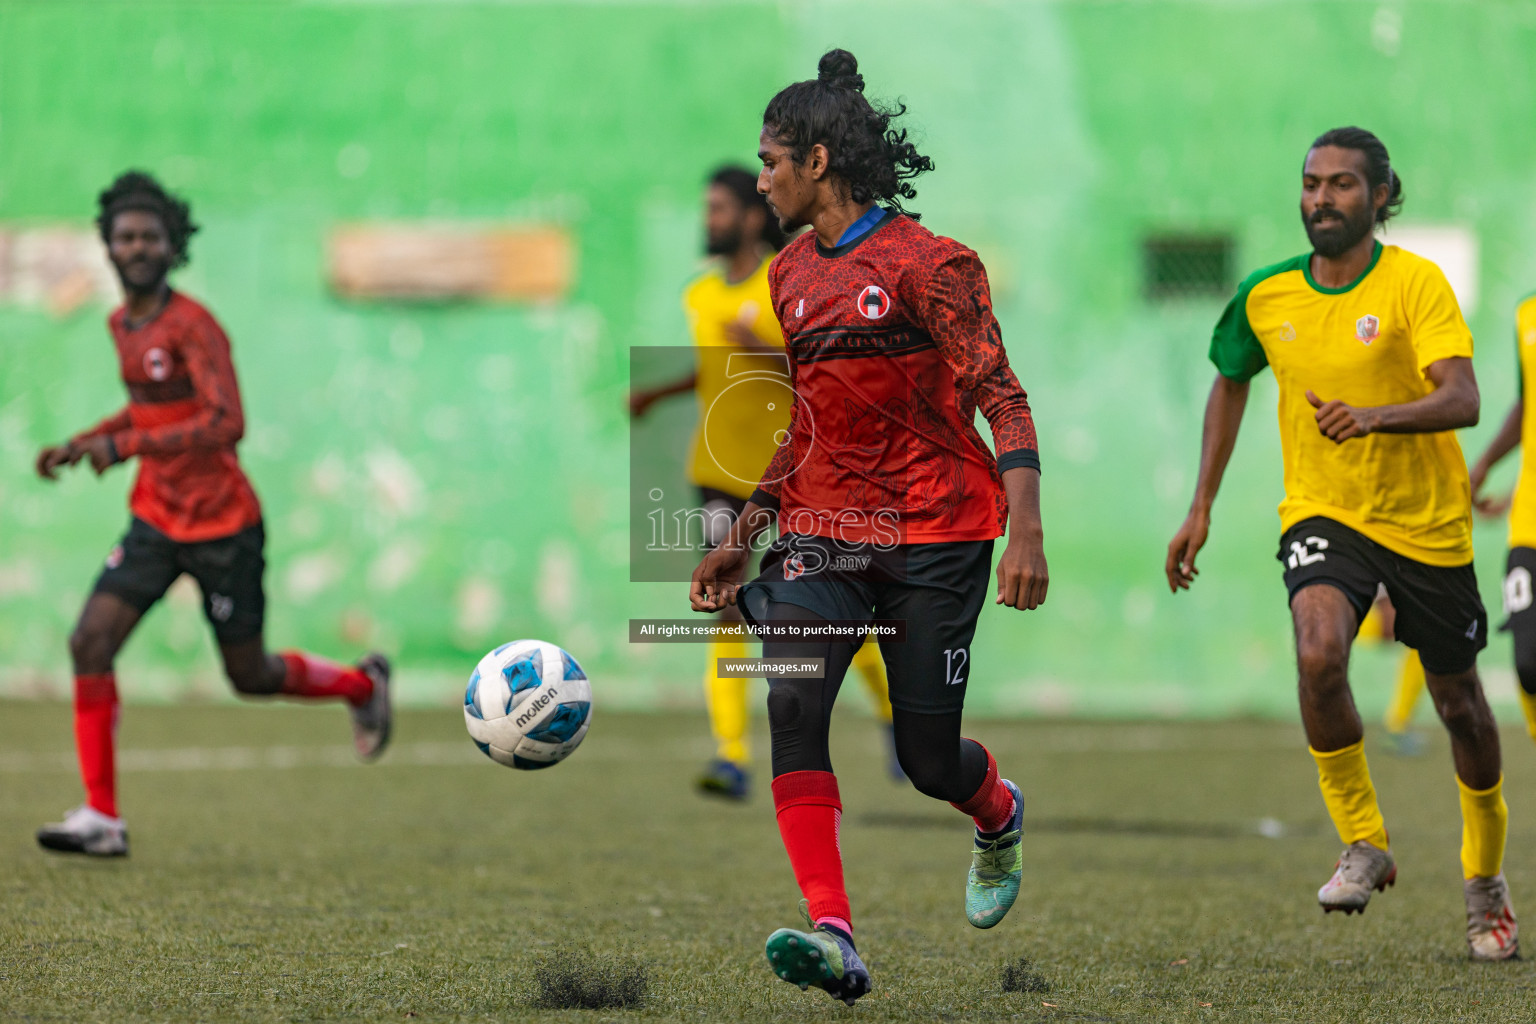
(1361, 869)
(371, 723)
(86, 830)
(1492, 931)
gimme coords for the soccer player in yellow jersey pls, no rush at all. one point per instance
(1374, 365)
(1522, 510)
(741, 382)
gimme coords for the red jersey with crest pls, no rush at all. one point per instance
(892, 348)
(182, 420)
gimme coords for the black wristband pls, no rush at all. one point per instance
(1026, 458)
(766, 500)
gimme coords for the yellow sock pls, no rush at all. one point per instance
(1528, 705)
(871, 668)
(726, 700)
(1410, 685)
(1371, 627)
(1345, 780)
(1484, 824)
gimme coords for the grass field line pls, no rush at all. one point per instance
(1066, 740)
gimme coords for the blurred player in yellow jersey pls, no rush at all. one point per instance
(741, 382)
(1522, 510)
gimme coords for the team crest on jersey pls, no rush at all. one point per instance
(794, 566)
(873, 302)
(157, 363)
(1367, 328)
(1287, 331)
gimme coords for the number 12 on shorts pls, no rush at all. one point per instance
(1300, 555)
(954, 665)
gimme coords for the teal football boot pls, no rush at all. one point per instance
(997, 867)
(822, 956)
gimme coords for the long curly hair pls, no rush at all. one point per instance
(137, 190)
(870, 158)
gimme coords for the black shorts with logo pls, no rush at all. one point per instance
(937, 590)
(1439, 611)
(144, 564)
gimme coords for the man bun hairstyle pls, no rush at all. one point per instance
(872, 160)
(1378, 165)
(742, 184)
(841, 69)
(138, 190)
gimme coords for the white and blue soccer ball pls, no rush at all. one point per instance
(528, 704)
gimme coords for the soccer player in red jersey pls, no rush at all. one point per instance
(888, 500)
(193, 511)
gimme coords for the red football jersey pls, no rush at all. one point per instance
(182, 420)
(892, 348)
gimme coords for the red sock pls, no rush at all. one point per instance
(809, 813)
(310, 676)
(96, 712)
(992, 804)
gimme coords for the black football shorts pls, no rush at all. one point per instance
(936, 590)
(1439, 611)
(144, 564)
(1520, 612)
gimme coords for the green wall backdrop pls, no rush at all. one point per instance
(440, 478)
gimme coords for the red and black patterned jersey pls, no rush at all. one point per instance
(892, 348)
(182, 420)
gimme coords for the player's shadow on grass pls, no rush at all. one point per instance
(1267, 828)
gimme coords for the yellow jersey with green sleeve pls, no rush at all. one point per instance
(744, 397)
(1368, 343)
(1522, 510)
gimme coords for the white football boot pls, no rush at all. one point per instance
(1492, 931)
(86, 830)
(372, 722)
(1361, 869)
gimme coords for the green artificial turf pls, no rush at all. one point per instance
(271, 880)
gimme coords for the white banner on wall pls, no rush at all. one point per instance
(1453, 247)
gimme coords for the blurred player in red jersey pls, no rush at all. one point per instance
(193, 511)
(888, 500)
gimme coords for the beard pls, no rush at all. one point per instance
(1340, 233)
(723, 243)
(142, 276)
(787, 224)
